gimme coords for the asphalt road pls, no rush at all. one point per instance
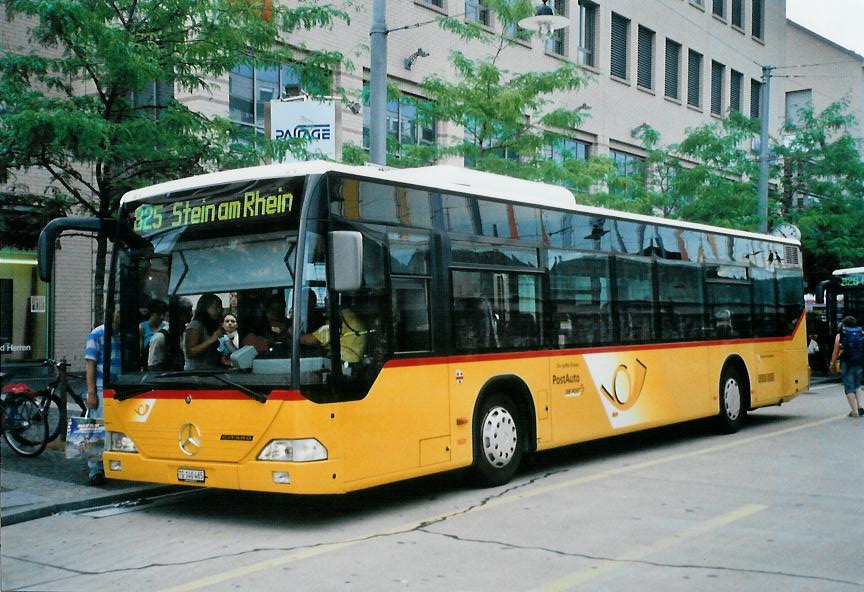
(777, 506)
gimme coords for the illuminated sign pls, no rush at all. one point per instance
(249, 206)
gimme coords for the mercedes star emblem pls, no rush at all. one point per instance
(190, 439)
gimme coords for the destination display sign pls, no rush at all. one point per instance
(254, 203)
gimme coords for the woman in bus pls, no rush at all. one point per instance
(201, 338)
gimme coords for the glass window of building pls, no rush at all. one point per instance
(718, 73)
(645, 58)
(476, 11)
(557, 43)
(563, 148)
(249, 88)
(406, 124)
(620, 46)
(694, 78)
(736, 84)
(673, 69)
(626, 164)
(588, 32)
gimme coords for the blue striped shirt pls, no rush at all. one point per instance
(94, 351)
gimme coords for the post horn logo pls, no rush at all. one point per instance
(626, 390)
(189, 439)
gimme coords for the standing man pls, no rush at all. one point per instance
(849, 348)
(94, 359)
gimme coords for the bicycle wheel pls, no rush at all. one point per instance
(53, 413)
(25, 427)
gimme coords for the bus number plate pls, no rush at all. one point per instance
(191, 475)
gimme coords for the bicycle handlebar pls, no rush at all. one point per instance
(57, 363)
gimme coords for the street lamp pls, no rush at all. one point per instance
(545, 22)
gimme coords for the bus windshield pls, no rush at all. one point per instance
(206, 286)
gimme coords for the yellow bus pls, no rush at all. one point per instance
(481, 319)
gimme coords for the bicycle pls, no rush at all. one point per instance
(23, 421)
(53, 399)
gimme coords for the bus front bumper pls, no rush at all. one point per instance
(318, 477)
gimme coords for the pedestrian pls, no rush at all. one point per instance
(94, 359)
(849, 350)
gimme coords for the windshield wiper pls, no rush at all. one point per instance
(220, 376)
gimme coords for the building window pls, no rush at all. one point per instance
(718, 72)
(620, 46)
(626, 164)
(673, 69)
(757, 28)
(438, 3)
(736, 83)
(738, 13)
(645, 61)
(404, 124)
(156, 93)
(562, 149)
(796, 102)
(755, 98)
(694, 78)
(588, 33)
(476, 11)
(249, 88)
(718, 7)
(557, 43)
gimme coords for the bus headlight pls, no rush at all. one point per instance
(120, 442)
(302, 450)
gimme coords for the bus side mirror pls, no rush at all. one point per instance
(49, 234)
(346, 260)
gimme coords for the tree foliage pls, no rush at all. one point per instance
(83, 108)
(508, 118)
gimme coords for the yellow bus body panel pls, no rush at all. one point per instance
(419, 415)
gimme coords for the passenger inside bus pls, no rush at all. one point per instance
(271, 336)
(352, 338)
(201, 337)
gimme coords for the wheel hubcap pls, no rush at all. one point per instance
(732, 399)
(500, 437)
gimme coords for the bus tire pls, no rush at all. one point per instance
(733, 401)
(499, 440)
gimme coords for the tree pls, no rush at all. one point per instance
(822, 189)
(711, 177)
(95, 107)
(507, 117)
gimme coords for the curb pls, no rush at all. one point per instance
(12, 517)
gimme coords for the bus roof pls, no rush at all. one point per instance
(444, 178)
(848, 271)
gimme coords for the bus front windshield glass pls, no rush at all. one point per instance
(205, 285)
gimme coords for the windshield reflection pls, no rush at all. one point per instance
(208, 304)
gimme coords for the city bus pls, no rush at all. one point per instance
(479, 319)
(841, 296)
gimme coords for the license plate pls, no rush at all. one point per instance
(191, 475)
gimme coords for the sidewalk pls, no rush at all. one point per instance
(32, 488)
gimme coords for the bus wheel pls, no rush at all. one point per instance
(733, 401)
(499, 440)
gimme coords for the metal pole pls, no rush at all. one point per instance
(763, 148)
(378, 85)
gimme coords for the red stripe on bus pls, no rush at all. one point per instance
(283, 395)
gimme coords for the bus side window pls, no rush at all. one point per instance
(410, 304)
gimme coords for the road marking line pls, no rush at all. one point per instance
(662, 544)
(518, 496)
